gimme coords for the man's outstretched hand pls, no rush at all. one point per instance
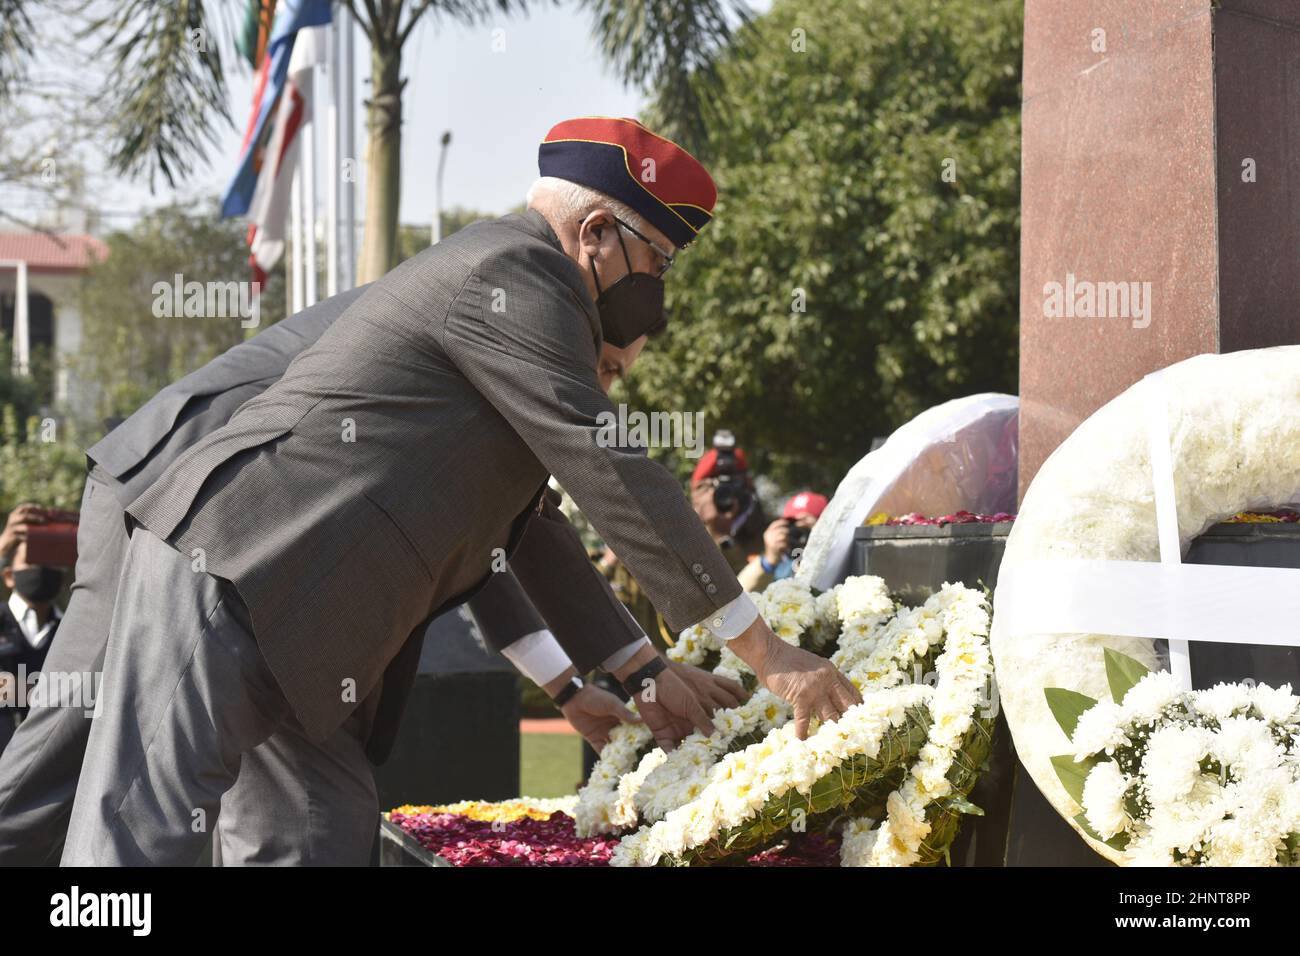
(713, 692)
(667, 704)
(594, 712)
(812, 684)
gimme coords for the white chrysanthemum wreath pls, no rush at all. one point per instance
(893, 773)
(1187, 778)
(1234, 440)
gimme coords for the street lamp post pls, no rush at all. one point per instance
(436, 232)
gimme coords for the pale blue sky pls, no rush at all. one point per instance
(498, 106)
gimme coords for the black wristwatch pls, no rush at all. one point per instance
(572, 687)
(635, 681)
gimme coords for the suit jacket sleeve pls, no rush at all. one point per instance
(585, 616)
(525, 333)
(503, 612)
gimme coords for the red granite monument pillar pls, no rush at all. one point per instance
(1161, 196)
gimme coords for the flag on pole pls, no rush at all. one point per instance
(291, 17)
(266, 232)
(256, 32)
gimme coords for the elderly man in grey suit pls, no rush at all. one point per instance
(260, 822)
(402, 455)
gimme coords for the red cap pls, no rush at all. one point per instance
(804, 503)
(624, 160)
(708, 466)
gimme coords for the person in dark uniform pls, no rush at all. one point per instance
(28, 620)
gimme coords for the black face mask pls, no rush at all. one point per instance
(38, 585)
(632, 307)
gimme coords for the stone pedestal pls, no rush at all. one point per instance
(1161, 156)
(459, 738)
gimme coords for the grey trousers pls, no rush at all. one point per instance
(186, 700)
(39, 768)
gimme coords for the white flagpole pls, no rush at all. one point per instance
(332, 157)
(295, 235)
(308, 167)
(347, 105)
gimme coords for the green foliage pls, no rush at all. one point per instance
(40, 461)
(128, 353)
(829, 165)
(169, 102)
(1073, 774)
(23, 394)
(15, 44)
(1122, 673)
(1067, 706)
(671, 48)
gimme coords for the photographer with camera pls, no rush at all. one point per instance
(722, 494)
(29, 619)
(784, 541)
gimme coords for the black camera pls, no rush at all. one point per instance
(797, 539)
(730, 489)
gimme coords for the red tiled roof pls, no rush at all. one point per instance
(45, 253)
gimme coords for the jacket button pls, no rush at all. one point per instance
(712, 589)
(705, 578)
(697, 568)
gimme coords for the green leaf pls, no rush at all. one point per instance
(1067, 706)
(1118, 842)
(1082, 820)
(1073, 773)
(1122, 672)
(962, 805)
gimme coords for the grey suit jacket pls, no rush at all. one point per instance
(138, 450)
(376, 483)
(551, 573)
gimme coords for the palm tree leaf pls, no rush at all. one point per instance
(15, 44)
(670, 49)
(170, 100)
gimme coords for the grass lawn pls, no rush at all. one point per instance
(550, 765)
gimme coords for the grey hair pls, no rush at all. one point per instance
(568, 200)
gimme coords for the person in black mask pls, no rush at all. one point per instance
(624, 258)
(28, 620)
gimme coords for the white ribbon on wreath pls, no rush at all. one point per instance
(1182, 603)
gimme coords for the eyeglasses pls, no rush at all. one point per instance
(667, 257)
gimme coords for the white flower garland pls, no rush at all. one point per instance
(600, 808)
(680, 776)
(876, 651)
(694, 645)
(743, 781)
(964, 669)
(608, 802)
(795, 616)
(687, 798)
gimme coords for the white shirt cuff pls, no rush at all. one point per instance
(538, 656)
(623, 655)
(732, 619)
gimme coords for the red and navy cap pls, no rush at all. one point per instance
(622, 159)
